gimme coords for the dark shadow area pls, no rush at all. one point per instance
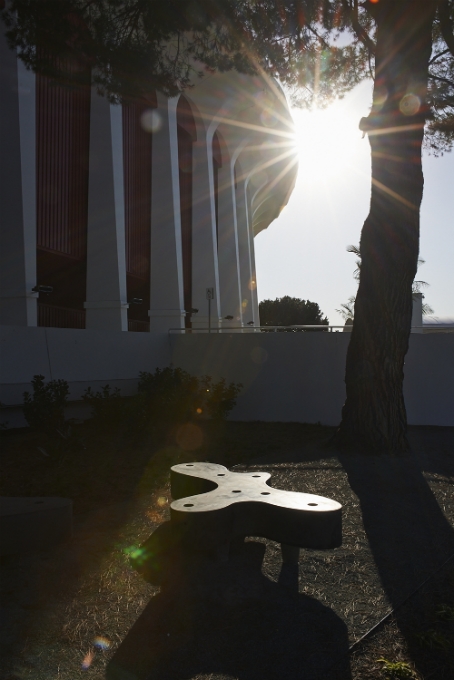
(409, 536)
(33, 582)
(227, 618)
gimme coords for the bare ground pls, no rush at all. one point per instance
(81, 610)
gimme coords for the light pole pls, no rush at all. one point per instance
(210, 296)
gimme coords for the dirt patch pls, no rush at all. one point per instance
(81, 610)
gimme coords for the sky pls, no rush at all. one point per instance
(303, 252)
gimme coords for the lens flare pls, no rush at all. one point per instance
(409, 104)
(380, 97)
(154, 516)
(150, 120)
(136, 554)
(101, 642)
(88, 660)
(268, 118)
(162, 500)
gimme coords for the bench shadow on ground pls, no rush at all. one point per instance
(34, 582)
(228, 619)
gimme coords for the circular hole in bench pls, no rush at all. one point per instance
(236, 490)
(312, 503)
(256, 475)
(221, 474)
(265, 493)
(189, 464)
(188, 505)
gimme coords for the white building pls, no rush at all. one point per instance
(120, 217)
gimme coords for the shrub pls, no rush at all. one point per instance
(172, 386)
(171, 395)
(44, 408)
(220, 398)
(108, 407)
(167, 397)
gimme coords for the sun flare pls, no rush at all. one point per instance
(326, 140)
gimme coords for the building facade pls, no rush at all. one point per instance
(117, 218)
(125, 217)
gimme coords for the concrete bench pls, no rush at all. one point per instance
(212, 506)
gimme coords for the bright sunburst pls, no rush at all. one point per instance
(327, 141)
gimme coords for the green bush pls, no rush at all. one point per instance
(44, 409)
(220, 398)
(167, 397)
(109, 409)
(171, 395)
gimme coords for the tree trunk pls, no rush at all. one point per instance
(374, 413)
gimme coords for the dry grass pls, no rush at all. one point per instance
(82, 603)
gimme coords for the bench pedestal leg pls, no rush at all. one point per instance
(290, 553)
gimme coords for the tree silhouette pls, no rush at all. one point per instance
(290, 311)
(347, 309)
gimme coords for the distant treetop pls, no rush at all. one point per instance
(291, 311)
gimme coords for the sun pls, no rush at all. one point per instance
(326, 140)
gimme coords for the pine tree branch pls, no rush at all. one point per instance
(446, 24)
(361, 33)
(437, 56)
(442, 80)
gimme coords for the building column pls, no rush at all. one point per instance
(250, 198)
(244, 254)
(416, 317)
(18, 303)
(106, 303)
(204, 242)
(166, 258)
(253, 276)
(228, 259)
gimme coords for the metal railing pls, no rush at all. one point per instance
(135, 326)
(432, 328)
(51, 316)
(435, 328)
(259, 329)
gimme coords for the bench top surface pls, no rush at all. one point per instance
(240, 487)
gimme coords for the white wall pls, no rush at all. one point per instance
(82, 357)
(286, 376)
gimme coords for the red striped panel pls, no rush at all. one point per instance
(50, 316)
(62, 133)
(137, 184)
(138, 326)
(187, 135)
(185, 163)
